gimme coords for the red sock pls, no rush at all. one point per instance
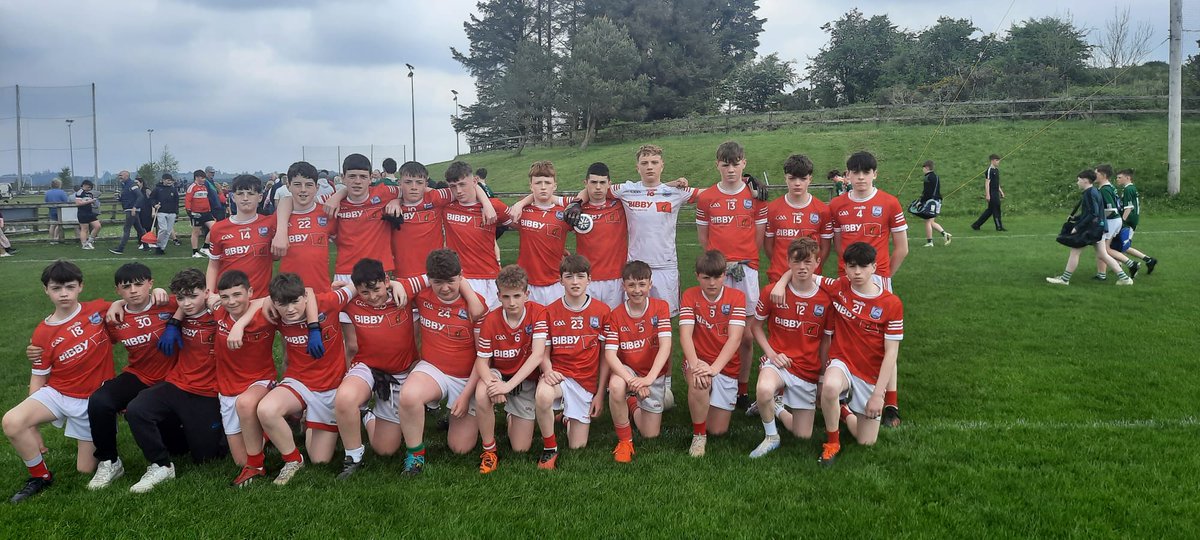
(489, 446)
(834, 437)
(889, 398)
(40, 470)
(294, 455)
(700, 429)
(625, 432)
(550, 443)
(632, 402)
(742, 388)
(255, 460)
(844, 412)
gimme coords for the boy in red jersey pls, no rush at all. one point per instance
(603, 237)
(245, 370)
(448, 310)
(200, 212)
(316, 364)
(543, 234)
(471, 231)
(575, 326)
(309, 231)
(422, 209)
(867, 328)
(187, 396)
(242, 242)
(510, 346)
(867, 214)
(796, 352)
(637, 349)
(382, 316)
(731, 220)
(712, 319)
(76, 359)
(798, 214)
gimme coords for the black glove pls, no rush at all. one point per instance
(395, 221)
(500, 230)
(759, 191)
(383, 384)
(572, 213)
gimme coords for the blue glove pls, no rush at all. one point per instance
(316, 346)
(172, 339)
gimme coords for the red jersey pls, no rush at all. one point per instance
(508, 347)
(325, 373)
(447, 333)
(786, 222)
(245, 247)
(543, 242)
(636, 338)
(308, 248)
(712, 320)
(361, 231)
(139, 333)
(195, 369)
(196, 199)
(872, 221)
(77, 352)
(420, 234)
(255, 361)
(575, 338)
(732, 220)
(475, 242)
(386, 338)
(860, 327)
(795, 328)
(606, 245)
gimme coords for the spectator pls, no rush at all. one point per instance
(56, 195)
(165, 199)
(146, 207)
(4, 243)
(129, 197)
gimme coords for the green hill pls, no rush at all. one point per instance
(1037, 174)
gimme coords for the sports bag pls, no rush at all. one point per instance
(927, 210)
(1070, 237)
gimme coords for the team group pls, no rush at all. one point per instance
(419, 312)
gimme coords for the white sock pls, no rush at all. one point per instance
(33, 462)
(356, 453)
(770, 428)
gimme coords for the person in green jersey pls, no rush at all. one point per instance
(1112, 223)
(1130, 213)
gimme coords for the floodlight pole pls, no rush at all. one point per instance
(71, 146)
(412, 95)
(20, 168)
(457, 151)
(150, 134)
(1175, 100)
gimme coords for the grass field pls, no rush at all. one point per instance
(1029, 410)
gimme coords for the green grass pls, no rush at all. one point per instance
(1030, 410)
(1038, 173)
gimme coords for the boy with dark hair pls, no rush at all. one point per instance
(389, 172)
(242, 242)
(245, 370)
(712, 319)
(315, 366)
(422, 210)
(511, 346)
(88, 214)
(76, 359)
(838, 179)
(795, 354)
(993, 193)
(1091, 215)
(382, 316)
(131, 198)
(637, 349)
(196, 201)
(165, 199)
(575, 334)
(798, 214)
(868, 325)
(187, 396)
(603, 236)
(543, 234)
(1112, 223)
(932, 191)
(1131, 213)
(472, 230)
(481, 175)
(868, 214)
(309, 230)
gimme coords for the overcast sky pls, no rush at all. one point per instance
(244, 85)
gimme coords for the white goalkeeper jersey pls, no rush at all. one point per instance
(652, 213)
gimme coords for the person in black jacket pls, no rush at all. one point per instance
(1091, 216)
(993, 193)
(145, 206)
(129, 196)
(165, 199)
(933, 192)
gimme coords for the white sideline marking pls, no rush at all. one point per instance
(1021, 423)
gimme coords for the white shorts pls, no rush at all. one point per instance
(546, 295)
(487, 289)
(859, 392)
(653, 403)
(229, 417)
(748, 285)
(575, 402)
(318, 406)
(520, 402)
(452, 387)
(383, 409)
(666, 286)
(609, 291)
(1111, 228)
(68, 411)
(797, 393)
(345, 278)
(723, 392)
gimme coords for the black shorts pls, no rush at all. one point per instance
(84, 220)
(200, 218)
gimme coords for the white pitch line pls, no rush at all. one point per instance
(1021, 423)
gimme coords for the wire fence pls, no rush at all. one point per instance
(44, 129)
(330, 157)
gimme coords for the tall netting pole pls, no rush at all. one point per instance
(95, 142)
(20, 168)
